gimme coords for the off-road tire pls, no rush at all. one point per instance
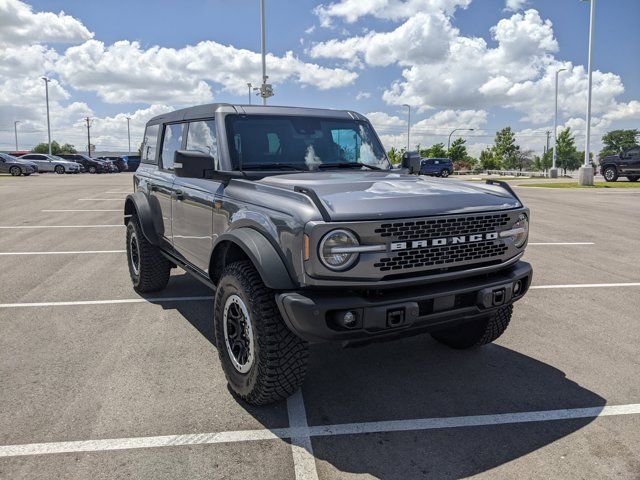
(610, 174)
(15, 171)
(476, 333)
(154, 269)
(280, 357)
(633, 178)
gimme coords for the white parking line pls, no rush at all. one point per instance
(105, 302)
(316, 431)
(128, 191)
(304, 462)
(90, 210)
(63, 253)
(587, 285)
(100, 199)
(60, 226)
(560, 243)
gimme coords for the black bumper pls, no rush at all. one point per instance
(317, 315)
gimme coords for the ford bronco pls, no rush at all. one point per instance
(298, 222)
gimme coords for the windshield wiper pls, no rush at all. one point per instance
(266, 166)
(348, 165)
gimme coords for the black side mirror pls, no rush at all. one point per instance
(192, 164)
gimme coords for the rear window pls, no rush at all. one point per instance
(150, 144)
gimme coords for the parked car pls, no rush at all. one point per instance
(90, 165)
(133, 162)
(296, 220)
(52, 163)
(15, 166)
(119, 162)
(440, 167)
(625, 164)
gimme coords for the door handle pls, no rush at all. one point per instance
(153, 188)
(178, 195)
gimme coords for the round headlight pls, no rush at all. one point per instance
(332, 249)
(523, 225)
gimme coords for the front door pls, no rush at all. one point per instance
(194, 201)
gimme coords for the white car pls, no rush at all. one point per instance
(52, 163)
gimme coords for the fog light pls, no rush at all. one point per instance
(517, 287)
(349, 319)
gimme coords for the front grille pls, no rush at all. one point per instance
(443, 227)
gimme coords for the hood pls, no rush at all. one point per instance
(358, 195)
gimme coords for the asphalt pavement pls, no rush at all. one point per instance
(97, 382)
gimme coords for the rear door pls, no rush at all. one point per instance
(194, 200)
(43, 162)
(633, 158)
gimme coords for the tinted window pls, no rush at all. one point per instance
(149, 144)
(171, 141)
(201, 137)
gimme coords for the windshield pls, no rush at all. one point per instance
(302, 143)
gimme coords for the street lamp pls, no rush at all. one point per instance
(585, 174)
(249, 85)
(129, 135)
(408, 125)
(455, 130)
(553, 173)
(46, 89)
(266, 89)
(15, 131)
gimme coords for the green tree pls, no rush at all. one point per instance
(505, 148)
(56, 148)
(616, 141)
(568, 157)
(525, 159)
(458, 151)
(434, 151)
(488, 161)
(394, 156)
(68, 148)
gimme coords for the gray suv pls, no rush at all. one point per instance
(297, 221)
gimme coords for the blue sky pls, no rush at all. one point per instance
(296, 27)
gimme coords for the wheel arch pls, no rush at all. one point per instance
(138, 204)
(247, 243)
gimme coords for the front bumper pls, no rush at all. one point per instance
(315, 315)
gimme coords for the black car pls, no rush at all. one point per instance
(119, 162)
(625, 164)
(90, 165)
(15, 166)
(133, 161)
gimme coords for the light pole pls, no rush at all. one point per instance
(249, 85)
(15, 131)
(585, 174)
(46, 89)
(408, 126)
(553, 173)
(129, 135)
(266, 90)
(455, 130)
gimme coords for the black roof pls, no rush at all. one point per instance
(208, 111)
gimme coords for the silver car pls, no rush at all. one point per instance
(52, 163)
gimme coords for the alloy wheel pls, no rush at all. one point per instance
(238, 334)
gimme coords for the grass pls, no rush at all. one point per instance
(622, 184)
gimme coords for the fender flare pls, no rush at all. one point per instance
(262, 254)
(138, 203)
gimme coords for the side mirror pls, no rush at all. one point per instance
(405, 160)
(191, 164)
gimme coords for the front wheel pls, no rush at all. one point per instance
(148, 268)
(633, 178)
(610, 174)
(59, 169)
(92, 169)
(262, 359)
(476, 333)
(15, 171)
(444, 173)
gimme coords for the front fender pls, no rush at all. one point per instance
(138, 203)
(262, 254)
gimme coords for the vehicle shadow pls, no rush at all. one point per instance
(418, 378)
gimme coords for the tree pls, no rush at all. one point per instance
(68, 148)
(457, 152)
(568, 157)
(505, 148)
(616, 141)
(434, 151)
(525, 159)
(393, 156)
(56, 148)
(488, 161)
(467, 163)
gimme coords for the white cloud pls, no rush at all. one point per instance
(515, 5)
(363, 95)
(21, 25)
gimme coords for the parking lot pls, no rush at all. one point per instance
(96, 382)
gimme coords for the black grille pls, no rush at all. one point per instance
(442, 255)
(443, 227)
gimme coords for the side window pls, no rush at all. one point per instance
(149, 144)
(201, 137)
(171, 141)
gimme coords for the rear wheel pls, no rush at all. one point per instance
(262, 359)
(148, 268)
(15, 171)
(92, 169)
(59, 169)
(610, 174)
(444, 173)
(476, 333)
(633, 178)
